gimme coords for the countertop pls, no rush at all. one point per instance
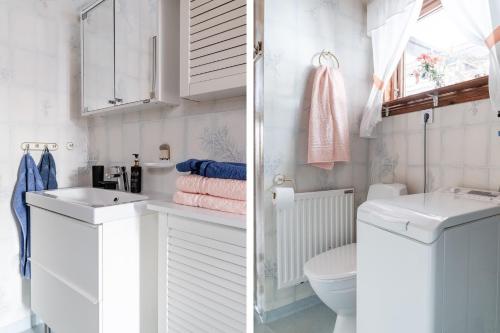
(168, 207)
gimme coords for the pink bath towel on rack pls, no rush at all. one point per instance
(328, 122)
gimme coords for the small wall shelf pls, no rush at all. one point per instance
(160, 164)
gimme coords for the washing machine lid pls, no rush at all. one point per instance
(423, 217)
(338, 263)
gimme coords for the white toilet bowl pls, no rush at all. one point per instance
(332, 274)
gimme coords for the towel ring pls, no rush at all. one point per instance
(325, 54)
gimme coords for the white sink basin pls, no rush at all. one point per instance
(92, 205)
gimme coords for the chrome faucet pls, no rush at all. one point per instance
(120, 174)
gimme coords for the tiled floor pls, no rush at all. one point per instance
(38, 329)
(318, 319)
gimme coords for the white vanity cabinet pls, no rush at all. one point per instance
(201, 270)
(129, 55)
(94, 278)
(212, 48)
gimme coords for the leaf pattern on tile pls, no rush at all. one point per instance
(44, 3)
(270, 269)
(321, 6)
(6, 75)
(474, 109)
(382, 168)
(152, 5)
(359, 198)
(46, 107)
(218, 143)
(272, 63)
(431, 181)
(74, 43)
(272, 164)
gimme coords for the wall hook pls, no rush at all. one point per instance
(41, 146)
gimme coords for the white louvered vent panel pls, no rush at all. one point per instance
(217, 45)
(317, 222)
(206, 277)
(218, 32)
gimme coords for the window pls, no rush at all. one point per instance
(438, 57)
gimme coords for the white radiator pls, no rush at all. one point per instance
(317, 222)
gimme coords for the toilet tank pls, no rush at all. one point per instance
(386, 191)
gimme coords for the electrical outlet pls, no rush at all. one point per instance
(430, 112)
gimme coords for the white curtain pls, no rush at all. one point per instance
(389, 24)
(479, 20)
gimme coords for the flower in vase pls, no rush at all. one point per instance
(428, 69)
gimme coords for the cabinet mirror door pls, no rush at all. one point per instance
(136, 45)
(98, 57)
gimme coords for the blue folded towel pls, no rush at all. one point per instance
(191, 165)
(28, 179)
(213, 169)
(47, 168)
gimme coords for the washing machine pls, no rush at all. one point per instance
(429, 263)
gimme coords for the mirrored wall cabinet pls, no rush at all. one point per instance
(130, 58)
(213, 48)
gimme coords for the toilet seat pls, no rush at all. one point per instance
(338, 263)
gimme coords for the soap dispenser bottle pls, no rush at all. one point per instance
(136, 176)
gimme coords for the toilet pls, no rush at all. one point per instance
(332, 274)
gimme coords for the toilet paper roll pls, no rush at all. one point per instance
(283, 197)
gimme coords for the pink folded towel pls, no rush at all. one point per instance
(224, 188)
(328, 122)
(210, 202)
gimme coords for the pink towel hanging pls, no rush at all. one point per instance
(328, 122)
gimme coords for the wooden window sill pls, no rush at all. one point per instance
(462, 92)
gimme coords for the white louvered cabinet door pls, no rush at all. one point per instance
(213, 48)
(205, 276)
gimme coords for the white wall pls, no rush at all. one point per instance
(463, 148)
(203, 130)
(39, 101)
(296, 30)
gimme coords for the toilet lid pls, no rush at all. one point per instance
(338, 263)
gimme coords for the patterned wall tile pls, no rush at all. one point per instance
(39, 101)
(205, 133)
(295, 32)
(37, 67)
(463, 147)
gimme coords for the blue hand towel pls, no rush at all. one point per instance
(47, 168)
(213, 169)
(28, 179)
(191, 165)
(224, 170)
